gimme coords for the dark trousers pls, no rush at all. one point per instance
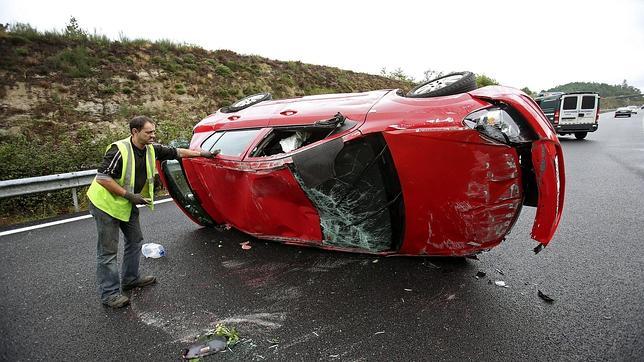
(107, 274)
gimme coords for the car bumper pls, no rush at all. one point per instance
(570, 128)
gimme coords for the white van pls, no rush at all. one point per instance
(571, 113)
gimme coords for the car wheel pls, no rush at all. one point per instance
(453, 83)
(580, 135)
(247, 102)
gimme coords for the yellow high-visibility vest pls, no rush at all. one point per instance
(118, 206)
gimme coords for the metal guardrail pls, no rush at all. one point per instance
(30, 185)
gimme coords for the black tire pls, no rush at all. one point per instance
(453, 83)
(246, 102)
(580, 135)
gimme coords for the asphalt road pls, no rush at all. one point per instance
(291, 303)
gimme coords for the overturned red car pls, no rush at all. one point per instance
(442, 170)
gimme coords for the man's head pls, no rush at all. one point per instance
(142, 129)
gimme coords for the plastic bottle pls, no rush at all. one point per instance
(152, 250)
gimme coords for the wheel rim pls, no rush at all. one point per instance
(438, 84)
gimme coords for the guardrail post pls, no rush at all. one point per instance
(75, 197)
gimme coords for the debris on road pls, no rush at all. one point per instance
(232, 337)
(480, 275)
(499, 271)
(408, 290)
(273, 342)
(216, 340)
(245, 245)
(544, 296)
(201, 349)
(501, 283)
(152, 250)
(377, 333)
(538, 248)
(430, 264)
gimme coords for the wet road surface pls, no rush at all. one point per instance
(293, 303)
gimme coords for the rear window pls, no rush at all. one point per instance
(231, 143)
(548, 105)
(570, 103)
(588, 102)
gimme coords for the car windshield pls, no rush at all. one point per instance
(231, 143)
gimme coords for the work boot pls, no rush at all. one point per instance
(139, 283)
(117, 301)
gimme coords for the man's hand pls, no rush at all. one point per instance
(208, 154)
(136, 199)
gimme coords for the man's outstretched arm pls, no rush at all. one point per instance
(186, 153)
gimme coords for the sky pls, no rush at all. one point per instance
(536, 44)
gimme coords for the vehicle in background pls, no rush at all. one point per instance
(444, 169)
(571, 113)
(623, 112)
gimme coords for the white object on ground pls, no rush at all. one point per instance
(152, 250)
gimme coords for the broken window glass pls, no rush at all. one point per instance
(288, 139)
(359, 201)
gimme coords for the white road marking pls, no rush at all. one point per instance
(53, 223)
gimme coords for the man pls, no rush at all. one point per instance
(124, 180)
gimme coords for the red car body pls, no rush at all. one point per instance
(408, 174)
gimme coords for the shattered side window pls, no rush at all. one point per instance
(355, 189)
(288, 139)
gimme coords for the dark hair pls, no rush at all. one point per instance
(138, 122)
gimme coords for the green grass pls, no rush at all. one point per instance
(75, 62)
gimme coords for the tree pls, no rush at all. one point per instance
(430, 74)
(483, 80)
(73, 30)
(527, 91)
(397, 74)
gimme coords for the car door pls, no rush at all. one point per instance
(589, 105)
(570, 109)
(349, 180)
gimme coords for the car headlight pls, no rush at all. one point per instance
(499, 125)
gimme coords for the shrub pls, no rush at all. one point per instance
(24, 31)
(75, 62)
(22, 51)
(179, 88)
(483, 80)
(165, 45)
(223, 70)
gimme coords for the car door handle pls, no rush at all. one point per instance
(288, 112)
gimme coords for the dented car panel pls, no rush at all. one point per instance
(458, 200)
(377, 172)
(265, 201)
(549, 165)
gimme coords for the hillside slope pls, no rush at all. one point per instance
(49, 82)
(79, 91)
(613, 96)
